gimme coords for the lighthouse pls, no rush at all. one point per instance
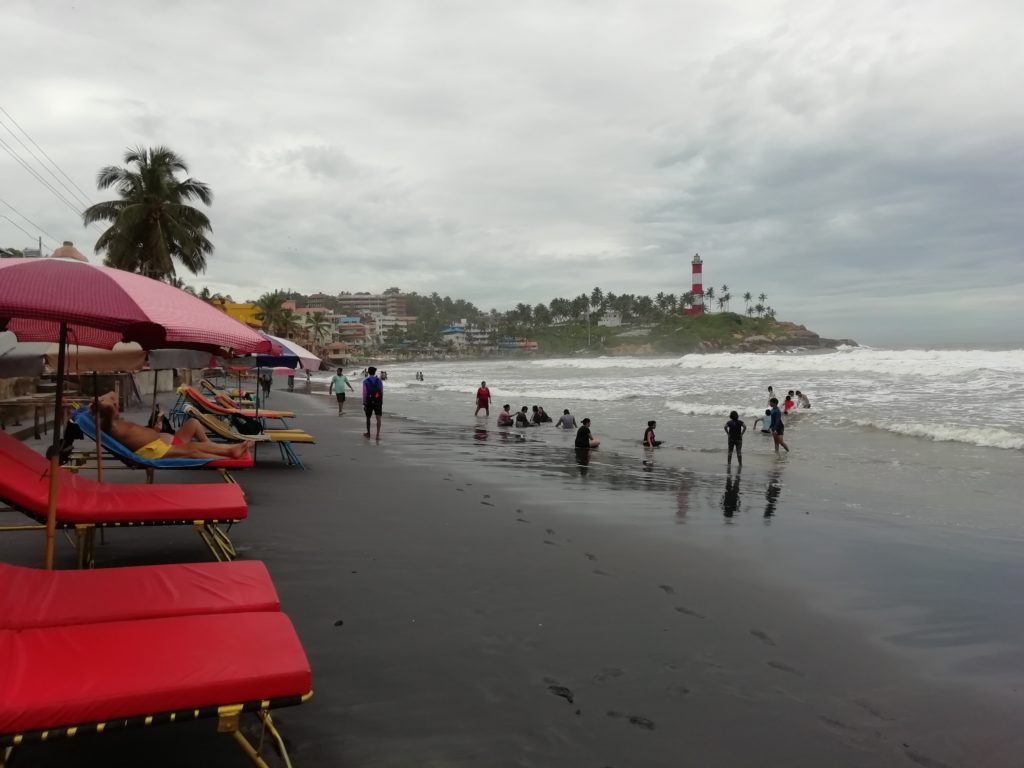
(697, 308)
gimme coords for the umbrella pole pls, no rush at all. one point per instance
(99, 429)
(153, 409)
(58, 412)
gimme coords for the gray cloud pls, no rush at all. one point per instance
(859, 163)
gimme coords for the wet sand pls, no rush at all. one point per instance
(452, 618)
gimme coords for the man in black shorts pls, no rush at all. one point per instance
(373, 398)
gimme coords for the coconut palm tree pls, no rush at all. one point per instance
(288, 325)
(759, 308)
(750, 311)
(152, 224)
(268, 309)
(319, 327)
(747, 298)
(762, 298)
(726, 298)
(709, 296)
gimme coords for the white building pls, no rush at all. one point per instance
(610, 319)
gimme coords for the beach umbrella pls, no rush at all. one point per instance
(65, 299)
(292, 355)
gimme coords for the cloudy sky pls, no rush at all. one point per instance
(861, 163)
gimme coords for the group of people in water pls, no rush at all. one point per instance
(773, 422)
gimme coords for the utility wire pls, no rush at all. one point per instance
(84, 196)
(7, 148)
(26, 218)
(16, 224)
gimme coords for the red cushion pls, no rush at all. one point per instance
(31, 597)
(209, 405)
(63, 676)
(24, 483)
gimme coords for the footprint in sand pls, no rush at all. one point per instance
(548, 541)
(689, 612)
(640, 722)
(487, 503)
(461, 490)
(600, 573)
(785, 668)
(561, 691)
(666, 589)
(339, 622)
(487, 495)
(762, 636)
(550, 531)
(521, 520)
(589, 556)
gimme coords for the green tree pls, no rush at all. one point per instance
(747, 298)
(596, 298)
(319, 327)
(152, 224)
(759, 308)
(709, 296)
(268, 309)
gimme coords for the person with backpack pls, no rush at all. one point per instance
(373, 398)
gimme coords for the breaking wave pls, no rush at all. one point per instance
(986, 437)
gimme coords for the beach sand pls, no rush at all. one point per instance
(453, 619)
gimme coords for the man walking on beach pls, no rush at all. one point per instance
(483, 399)
(373, 398)
(777, 427)
(338, 383)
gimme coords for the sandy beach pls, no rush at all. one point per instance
(455, 614)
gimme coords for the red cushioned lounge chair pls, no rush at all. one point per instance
(149, 671)
(32, 598)
(84, 504)
(229, 402)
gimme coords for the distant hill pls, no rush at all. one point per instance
(718, 332)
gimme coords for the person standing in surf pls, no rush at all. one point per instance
(777, 427)
(584, 437)
(735, 429)
(649, 439)
(373, 398)
(483, 399)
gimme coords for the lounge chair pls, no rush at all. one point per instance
(31, 598)
(68, 681)
(225, 399)
(203, 403)
(282, 438)
(85, 422)
(84, 505)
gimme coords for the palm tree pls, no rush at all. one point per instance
(288, 324)
(151, 223)
(762, 298)
(750, 311)
(721, 303)
(319, 327)
(725, 288)
(596, 298)
(268, 309)
(709, 295)
(759, 308)
(726, 298)
(747, 298)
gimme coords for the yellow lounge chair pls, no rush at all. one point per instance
(282, 438)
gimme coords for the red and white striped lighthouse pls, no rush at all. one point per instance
(697, 308)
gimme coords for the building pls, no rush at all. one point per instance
(697, 282)
(385, 324)
(612, 318)
(320, 301)
(464, 335)
(351, 330)
(393, 304)
(244, 313)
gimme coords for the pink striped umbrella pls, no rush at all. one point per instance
(102, 306)
(62, 299)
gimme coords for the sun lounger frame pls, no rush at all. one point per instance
(228, 721)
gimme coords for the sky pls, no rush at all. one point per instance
(862, 163)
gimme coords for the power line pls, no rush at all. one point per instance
(26, 218)
(84, 195)
(6, 147)
(16, 224)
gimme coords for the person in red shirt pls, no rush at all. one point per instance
(788, 405)
(483, 399)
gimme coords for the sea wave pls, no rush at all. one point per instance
(541, 392)
(600, 363)
(861, 360)
(706, 409)
(986, 437)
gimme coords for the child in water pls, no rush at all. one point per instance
(735, 429)
(649, 440)
(766, 422)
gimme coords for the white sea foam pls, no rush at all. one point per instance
(986, 437)
(705, 409)
(601, 363)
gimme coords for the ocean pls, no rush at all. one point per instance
(899, 504)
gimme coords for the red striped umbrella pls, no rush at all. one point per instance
(58, 299)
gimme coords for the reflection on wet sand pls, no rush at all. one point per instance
(771, 493)
(731, 496)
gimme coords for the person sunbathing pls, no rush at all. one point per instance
(189, 442)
